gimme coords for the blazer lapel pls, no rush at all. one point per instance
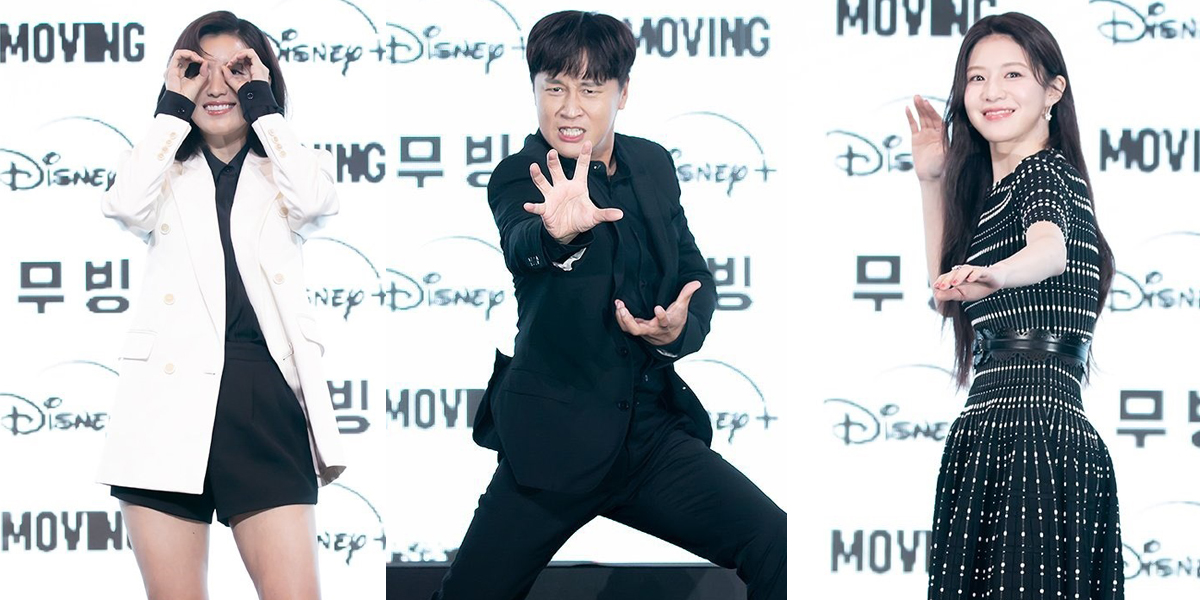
(195, 195)
(250, 203)
(656, 213)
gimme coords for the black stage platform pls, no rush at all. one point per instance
(590, 581)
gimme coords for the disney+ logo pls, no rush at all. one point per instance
(861, 425)
(1126, 24)
(398, 44)
(872, 148)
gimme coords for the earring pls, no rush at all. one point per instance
(1048, 115)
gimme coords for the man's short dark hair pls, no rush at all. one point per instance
(565, 42)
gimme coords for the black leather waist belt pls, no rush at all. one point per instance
(1034, 342)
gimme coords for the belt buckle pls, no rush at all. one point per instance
(978, 354)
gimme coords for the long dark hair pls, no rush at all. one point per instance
(215, 23)
(968, 171)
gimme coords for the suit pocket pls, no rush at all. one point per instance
(138, 344)
(530, 383)
(308, 328)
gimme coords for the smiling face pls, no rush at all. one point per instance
(573, 110)
(217, 113)
(1004, 100)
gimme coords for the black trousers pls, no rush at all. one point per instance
(683, 493)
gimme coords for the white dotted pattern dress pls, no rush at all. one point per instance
(1026, 501)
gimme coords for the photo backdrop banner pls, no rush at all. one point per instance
(881, 399)
(825, 375)
(417, 102)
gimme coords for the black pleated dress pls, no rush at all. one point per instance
(1026, 501)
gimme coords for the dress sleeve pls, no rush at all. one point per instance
(1041, 193)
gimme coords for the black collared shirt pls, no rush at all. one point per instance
(642, 272)
(255, 99)
(651, 416)
(241, 323)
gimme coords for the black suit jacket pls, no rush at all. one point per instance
(558, 410)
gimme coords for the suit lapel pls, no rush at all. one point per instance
(250, 203)
(656, 215)
(195, 196)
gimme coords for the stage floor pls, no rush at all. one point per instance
(590, 581)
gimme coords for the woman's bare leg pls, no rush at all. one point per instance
(279, 548)
(171, 552)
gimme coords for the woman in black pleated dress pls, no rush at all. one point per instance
(1026, 502)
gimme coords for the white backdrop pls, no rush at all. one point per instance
(63, 115)
(836, 409)
(688, 97)
(418, 101)
(880, 410)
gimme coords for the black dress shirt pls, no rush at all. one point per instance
(256, 99)
(241, 323)
(651, 418)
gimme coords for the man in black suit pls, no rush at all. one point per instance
(588, 416)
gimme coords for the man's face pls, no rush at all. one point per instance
(572, 110)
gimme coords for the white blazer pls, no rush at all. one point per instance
(161, 427)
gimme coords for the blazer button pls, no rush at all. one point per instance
(278, 278)
(283, 211)
(169, 368)
(249, 95)
(623, 405)
(164, 229)
(169, 299)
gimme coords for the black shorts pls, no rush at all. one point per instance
(259, 457)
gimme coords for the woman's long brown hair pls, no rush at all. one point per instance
(968, 171)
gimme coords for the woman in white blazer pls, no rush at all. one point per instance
(222, 405)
